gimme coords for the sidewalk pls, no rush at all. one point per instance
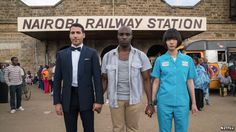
(39, 116)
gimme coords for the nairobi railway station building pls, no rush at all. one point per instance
(34, 32)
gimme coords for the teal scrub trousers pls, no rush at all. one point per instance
(180, 114)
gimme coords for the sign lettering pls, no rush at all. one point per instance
(98, 23)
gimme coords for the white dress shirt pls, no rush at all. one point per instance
(75, 61)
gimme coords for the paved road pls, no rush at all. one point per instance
(39, 116)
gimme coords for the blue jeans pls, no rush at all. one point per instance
(15, 96)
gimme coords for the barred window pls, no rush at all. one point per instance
(36, 3)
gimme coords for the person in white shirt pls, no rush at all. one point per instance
(13, 77)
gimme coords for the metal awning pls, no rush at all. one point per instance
(62, 35)
(211, 45)
(198, 45)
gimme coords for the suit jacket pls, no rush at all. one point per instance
(89, 79)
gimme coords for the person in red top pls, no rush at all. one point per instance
(232, 73)
(45, 74)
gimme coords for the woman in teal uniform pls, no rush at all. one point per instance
(173, 85)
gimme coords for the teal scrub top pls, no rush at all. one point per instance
(173, 77)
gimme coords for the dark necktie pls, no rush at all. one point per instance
(74, 49)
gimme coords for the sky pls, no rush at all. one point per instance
(182, 2)
(40, 2)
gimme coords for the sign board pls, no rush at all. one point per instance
(98, 23)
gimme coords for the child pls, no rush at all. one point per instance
(29, 78)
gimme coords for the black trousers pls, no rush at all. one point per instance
(199, 98)
(71, 117)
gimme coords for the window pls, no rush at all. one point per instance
(182, 3)
(111, 1)
(221, 56)
(232, 10)
(41, 2)
(231, 55)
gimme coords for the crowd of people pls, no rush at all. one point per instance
(175, 83)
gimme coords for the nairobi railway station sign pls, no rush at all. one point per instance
(99, 23)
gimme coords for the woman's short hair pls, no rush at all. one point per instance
(172, 34)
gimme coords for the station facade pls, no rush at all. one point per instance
(35, 34)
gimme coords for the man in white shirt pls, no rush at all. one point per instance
(81, 94)
(13, 77)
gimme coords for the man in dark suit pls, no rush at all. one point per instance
(78, 68)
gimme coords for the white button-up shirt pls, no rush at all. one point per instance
(138, 62)
(75, 61)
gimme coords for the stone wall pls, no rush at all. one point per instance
(30, 51)
(216, 32)
(216, 11)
